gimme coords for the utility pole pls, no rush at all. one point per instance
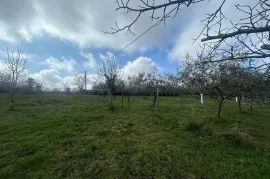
(85, 81)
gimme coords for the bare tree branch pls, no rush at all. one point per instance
(239, 32)
(145, 7)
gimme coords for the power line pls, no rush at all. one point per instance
(157, 23)
(135, 39)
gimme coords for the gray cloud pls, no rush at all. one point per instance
(82, 22)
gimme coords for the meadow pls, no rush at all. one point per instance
(76, 136)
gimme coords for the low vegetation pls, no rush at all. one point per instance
(76, 136)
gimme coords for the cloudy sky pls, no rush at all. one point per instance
(64, 37)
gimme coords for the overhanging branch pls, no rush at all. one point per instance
(238, 32)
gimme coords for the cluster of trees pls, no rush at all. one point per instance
(223, 80)
(231, 61)
(144, 84)
(28, 85)
(226, 81)
(220, 81)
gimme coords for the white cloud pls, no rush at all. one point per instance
(2, 68)
(49, 77)
(91, 78)
(63, 64)
(81, 22)
(105, 56)
(52, 78)
(140, 65)
(90, 60)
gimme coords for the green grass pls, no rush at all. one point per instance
(76, 136)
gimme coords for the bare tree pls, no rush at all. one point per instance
(66, 87)
(15, 65)
(39, 87)
(100, 87)
(171, 82)
(152, 83)
(79, 81)
(170, 9)
(120, 87)
(246, 40)
(131, 87)
(108, 69)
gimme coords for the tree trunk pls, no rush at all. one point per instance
(12, 100)
(128, 97)
(239, 104)
(122, 99)
(220, 101)
(156, 103)
(219, 106)
(155, 99)
(110, 100)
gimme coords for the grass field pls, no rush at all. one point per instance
(76, 136)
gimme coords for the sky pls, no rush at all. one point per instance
(62, 38)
